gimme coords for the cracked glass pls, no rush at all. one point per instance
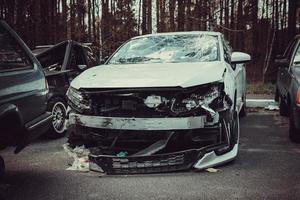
(168, 49)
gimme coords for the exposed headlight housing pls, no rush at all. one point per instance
(78, 101)
(154, 101)
(201, 97)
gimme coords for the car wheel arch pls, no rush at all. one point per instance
(10, 112)
(54, 96)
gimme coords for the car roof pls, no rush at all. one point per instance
(181, 33)
(45, 48)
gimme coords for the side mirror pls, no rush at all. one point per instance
(279, 57)
(82, 67)
(103, 60)
(282, 62)
(240, 58)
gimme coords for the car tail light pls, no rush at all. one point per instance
(298, 97)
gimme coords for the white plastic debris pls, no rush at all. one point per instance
(272, 107)
(212, 170)
(80, 156)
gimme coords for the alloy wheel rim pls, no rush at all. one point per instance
(59, 117)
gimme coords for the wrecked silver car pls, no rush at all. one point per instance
(162, 102)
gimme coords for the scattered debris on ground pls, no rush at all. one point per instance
(80, 156)
(212, 170)
(272, 107)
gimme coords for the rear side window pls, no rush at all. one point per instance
(53, 59)
(92, 59)
(12, 55)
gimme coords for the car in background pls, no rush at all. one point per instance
(162, 102)
(288, 87)
(23, 93)
(61, 64)
(40, 49)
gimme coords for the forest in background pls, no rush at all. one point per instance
(261, 28)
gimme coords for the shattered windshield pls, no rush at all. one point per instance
(168, 49)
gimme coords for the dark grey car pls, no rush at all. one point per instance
(288, 86)
(23, 93)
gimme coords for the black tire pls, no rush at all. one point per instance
(2, 168)
(243, 111)
(57, 106)
(276, 98)
(294, 133)
(283, 108)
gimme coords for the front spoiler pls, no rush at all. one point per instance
(177, 161)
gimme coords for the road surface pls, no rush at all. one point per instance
(267, 167)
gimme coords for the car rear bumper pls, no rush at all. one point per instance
(296, 113)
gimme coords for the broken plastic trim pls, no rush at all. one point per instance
(169, 162)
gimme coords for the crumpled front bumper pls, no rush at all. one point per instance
(177, 161)
(199, 158)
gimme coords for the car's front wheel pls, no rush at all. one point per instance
(243, 111)
(283, 108)
(2, 168)
(235, 129)
(276, 97)
(294, 132)
(58, 109)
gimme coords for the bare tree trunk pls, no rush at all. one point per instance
(139, 15)
(292, 18)
(172, 15)
(181, 15)
(144, 17)
(221, 12)
(89, 19)
(189, 24)
(149, 16)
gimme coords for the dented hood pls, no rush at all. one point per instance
(150, 75)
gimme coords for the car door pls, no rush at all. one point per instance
(284, 76)
(238, 72)
(22, 82)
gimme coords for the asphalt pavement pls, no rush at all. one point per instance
(267, 167)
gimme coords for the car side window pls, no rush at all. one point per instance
(289, 50)
(77, 58)
(12, 55)
(53, 59)
(296, 58)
